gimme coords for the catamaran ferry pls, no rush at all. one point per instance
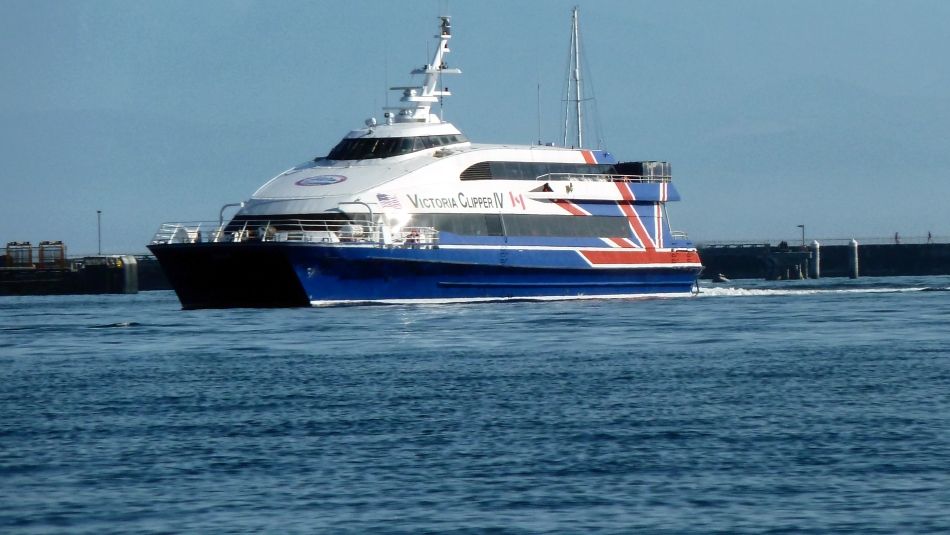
(409, 210)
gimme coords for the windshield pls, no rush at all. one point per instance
(385, 147)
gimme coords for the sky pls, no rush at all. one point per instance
(835, 115)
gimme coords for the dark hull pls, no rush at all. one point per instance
(214, 275)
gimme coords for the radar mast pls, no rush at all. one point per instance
(417, 101)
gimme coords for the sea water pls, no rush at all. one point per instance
(790, 407)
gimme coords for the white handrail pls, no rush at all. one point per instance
(582, 177)
(336, 231)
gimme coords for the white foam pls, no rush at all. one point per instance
(704, 291)
(319, 303)
(749, 292)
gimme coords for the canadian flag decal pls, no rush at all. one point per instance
(517, 200)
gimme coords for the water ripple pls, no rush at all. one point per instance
(800, 408)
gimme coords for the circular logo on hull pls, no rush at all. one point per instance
(320, 180)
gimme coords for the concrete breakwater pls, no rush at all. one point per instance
(45, 269)
(775, 262)
(53, 273)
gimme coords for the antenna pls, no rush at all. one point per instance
(539, 113)
(386, 68)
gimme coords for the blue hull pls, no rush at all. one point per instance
(372, 274)
(217, 275)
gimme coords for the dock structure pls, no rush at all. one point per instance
(45, 269)
(753, 261)
(825, 258)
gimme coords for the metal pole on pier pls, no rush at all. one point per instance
(814, 264)
(853, 259)
(99, 228)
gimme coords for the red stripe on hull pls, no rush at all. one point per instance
(570, 207)
(650, 256)
(621, 242)
(632, 216)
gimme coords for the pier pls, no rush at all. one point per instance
(871, 257)
(45, 269)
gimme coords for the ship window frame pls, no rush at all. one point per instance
(524, 225)
(513, 170)
(566, 226)
(474, 224)
(364, 148)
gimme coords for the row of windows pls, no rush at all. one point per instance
(462, 224)
(384, 147)
(531, 170)
(524, 225)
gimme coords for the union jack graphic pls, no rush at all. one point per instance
(388, 201)
(644, 246)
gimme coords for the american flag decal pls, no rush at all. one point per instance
(388, 201)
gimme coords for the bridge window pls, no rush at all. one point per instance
(385, 147)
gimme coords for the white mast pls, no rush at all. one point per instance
(418, 100)
(574, 81)
(575, 38)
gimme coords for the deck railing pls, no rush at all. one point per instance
(796, 242)
(582, 177)
(679, 235)
(294, 230)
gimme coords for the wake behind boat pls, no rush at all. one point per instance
(410, 210)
